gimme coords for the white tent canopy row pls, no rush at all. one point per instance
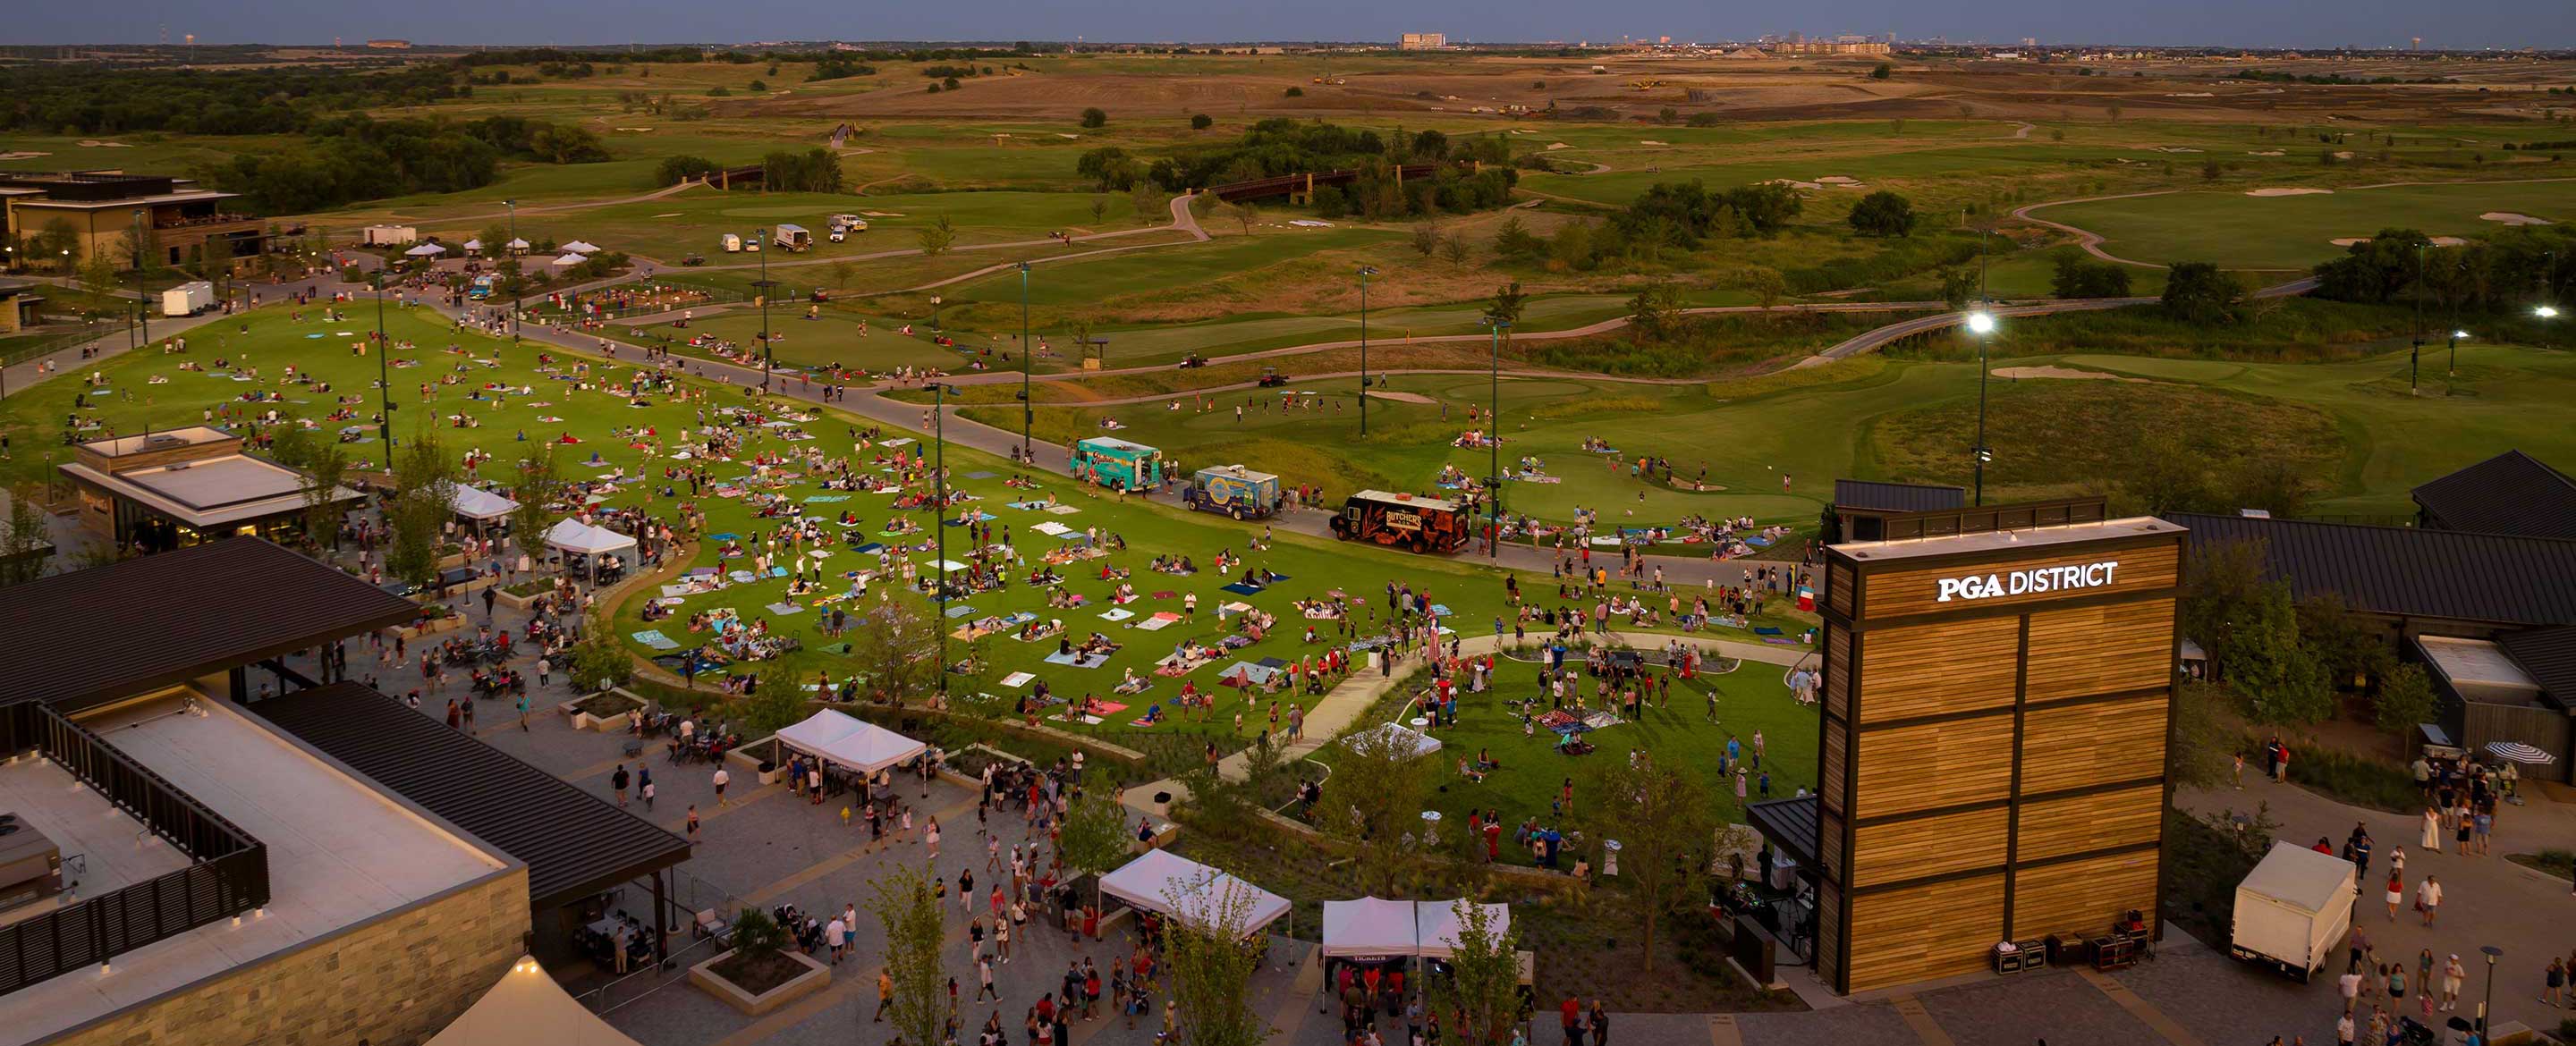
(581, 247)
(569, 258)
(845, 740)
(1377, 927)
(1171, 885)
(426, 250)
(479, 504)
(573, 535)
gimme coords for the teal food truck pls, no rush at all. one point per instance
(1118, 463)
(1232, 491)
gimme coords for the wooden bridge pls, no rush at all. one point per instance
(724, 179)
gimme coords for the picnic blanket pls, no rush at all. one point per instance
(1158, 622)
(784, 609)
(654, 638)
(1117, 615)
(1246, 673)
(1078, 660)
(1244, 588)
(1018, 679)
(960, 610)
(1052, 528)
(981, 475)
(825, 499)
(1766, 630)
(1062, 510)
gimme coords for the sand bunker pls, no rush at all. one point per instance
(22, 156)
(2267, 152)
(2175, 149)
(1558, 145)
(2510, 218)
(85, 144)
(1836, 179)
(1646, 141)
(2068, 373)
(880, 214)
(2289, 192)
(1794, 183)
(1401, 397)
(2438, 241)
(670, 214)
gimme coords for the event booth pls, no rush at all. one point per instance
(575, 538)
(1372, 941)
(1166, 884)
(527, 1008)
(845, 740)
(479, 505)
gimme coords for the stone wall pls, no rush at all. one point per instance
(392, 982)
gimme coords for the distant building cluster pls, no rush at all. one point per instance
(390, 45)
(1846, 46)
(1422, 41)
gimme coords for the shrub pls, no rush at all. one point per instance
(1201, 122)
(1883, 213)
(1094, 117)
(676, 169)
(1296, 92)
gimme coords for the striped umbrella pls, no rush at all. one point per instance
(2516, 751)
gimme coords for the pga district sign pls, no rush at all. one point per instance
(2033, 581)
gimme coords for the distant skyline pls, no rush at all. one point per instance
(2460, 24)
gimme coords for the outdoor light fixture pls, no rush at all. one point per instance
(2546, 312)
(1981, 322)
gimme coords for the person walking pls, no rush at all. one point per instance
(885, 995)
(2428, 897)
(721, 780)
(523, 713)
(618, 781)
(2396, 892)
(984, 974)
(2453, 976)
(2554, 986)
(693, 822)
(644, 785)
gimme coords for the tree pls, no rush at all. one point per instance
(2113, 109)
(423, 498)
(1655, 313)
(598, 663)
(1882, 71)
(1094, 837)
(842, 271)
(1896, 127)
(1506, 305)
(1201, 121)
(916, 939)
(897, 648)
(1426, 238)
(26, 542)
(2276, 672)
(1379, 783)
(1244, 215)
(2077, 276)
(2210, 170)
(1764, 283)
(1094, 117)
(2201, 292)
(1958, 285)
(325, 466)
(1667, 834)
(1147, 202)
(1483, 984)
(1454, 248)
(2405, 698)
(937, 237)
(1513, 240)
(1883, 213)
(1099, 209)
(98, 270)
(538, 481)
(1211, 953)
(1668, 116)
(1296, 92)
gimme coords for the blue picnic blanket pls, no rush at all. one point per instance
(654, 638)
(1241, 588)
(960, 610)
(873, 546)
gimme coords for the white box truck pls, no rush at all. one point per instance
(792, 238)
(188, 299)
(2294, 909)
(732, 243)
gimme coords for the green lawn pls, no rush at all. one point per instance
(2294, 232)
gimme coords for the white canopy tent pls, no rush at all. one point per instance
(845, 740)
(1164, 882)
(426, 250)
(581, 247)
(1435, 925)
(472, 246)
(1369, 926)
(568, 260)
(573, 535)
(517, 245)
(1406, 739)
(479, 505)
(527, 1008)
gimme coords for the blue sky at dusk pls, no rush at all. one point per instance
(2253, 23)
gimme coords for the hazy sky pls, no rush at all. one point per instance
(2295, 23)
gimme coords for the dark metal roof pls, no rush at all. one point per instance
(1897, 497)
(2510, 493)
(575, 843)
(2548, 656)
(1791, 824)
(111, 632)
(2408, 572)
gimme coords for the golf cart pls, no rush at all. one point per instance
(1272, 379)
(1193, 361)
(694, 258)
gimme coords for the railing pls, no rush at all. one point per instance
(227, 877)
(209, 219)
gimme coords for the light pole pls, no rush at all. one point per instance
(518, 271)
(939, 522)
(2487, 1006)
(934, 313)
(1494, 447)
(2415, 355)
(142, 317)
(384, 376)
(1027, 415)
(1366, 271)
(767, 289)
(1981, 323)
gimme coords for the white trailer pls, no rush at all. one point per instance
(791, 238)
(388, 236)
(2293, 909)
(188, 299)
(732, 243)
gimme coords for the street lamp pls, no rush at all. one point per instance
(934, 313)
(767, 290)
(1494, 448)
(518, 269)
(939, 523)
(2487, 1006)
(1981, 323)
(141, 316)
(1366, 271)
(384, 377)
(2546, 312)
(1027, 359)
(2456, 335)
(2415, 355)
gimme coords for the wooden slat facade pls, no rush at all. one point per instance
(1915, 934)
(1991, 767)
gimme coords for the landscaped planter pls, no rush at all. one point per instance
(434, 626)
(610, 711)
(516, 601)
(815, 977)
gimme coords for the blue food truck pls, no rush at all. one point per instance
(1229, 490)
(1118, 464)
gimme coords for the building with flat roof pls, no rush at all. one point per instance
(20, 306)
(1422, 41)
(162, 490)
(187, 855)
(179, 222)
